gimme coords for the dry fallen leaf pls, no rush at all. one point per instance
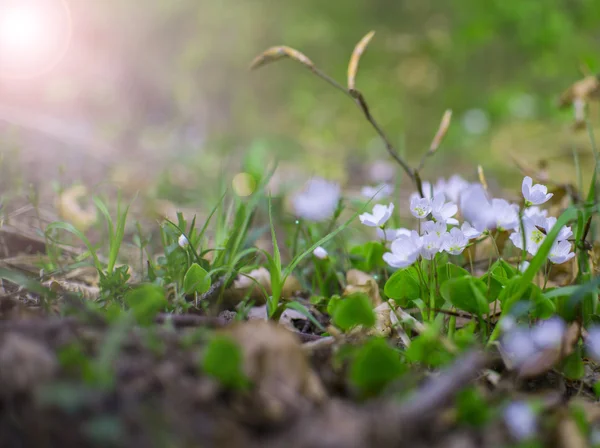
(283, 382)
(358, 281)
(69, 209)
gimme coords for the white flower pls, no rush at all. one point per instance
(520, 420)
(534, 237)
(432, 244)
(560, 252)
(381, 213)
(564, 233)
(404, 251)
(506, 215)
(377, 193)
(439, 228)
(534, 210)
(507, 323)
(476, 208)
(548, 333)
(420, 207)
(318, 201)
(183, 241)
(523, 266)
(455, 242)
(443, 211)
(429, 191)
(452, 188)
(469, 231)
(518, 345)
(592, 343)
(321, 253)
(391, 234)
(534, 194)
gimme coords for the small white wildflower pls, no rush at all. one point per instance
(548, 333)
(534, 237)
(443, 211)
(391, 234)
(534, 210)
(183, 241)
(404, 251)
(455, 241)
(534, 194)
(520, 420)
(321, 253)
(518, 345)
(318, 201)
(469, 231)
(476, 208)
(506, 215)
(523, 266)
(452, 188)
(560, 252)
(439, 228)
(420, 207)
(592, 343)
(380, 215)
(377, 193)
(564, 233)
(507, 323)
(432, 244)
(429, 191)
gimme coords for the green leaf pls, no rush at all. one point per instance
(223, 360)
(404, 284)
(374, 367)
(472, 408)
(449, 271)
(145, 302)
(573, 366)
(354, 310)
(369, 256)
(467, 294)
(196, 280)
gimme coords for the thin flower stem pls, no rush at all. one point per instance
(546, 274)
(431, 291)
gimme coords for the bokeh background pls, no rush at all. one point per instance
(148, 87)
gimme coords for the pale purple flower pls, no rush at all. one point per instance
(520, 420)
(420, 207)
(518, 345)
(476, 208)
(506, 215)
(380, 215)
(318, 201)
(391, 234)
(431, 245)
(404, 251)
(534, 237)
(429, 191)
(592, 343)
(377, 193)
(469, 231)
(455, 241)
(560, 252)
(534, 194)
(564, 233)
(523, 266)
(320, 253)
(439, 228)
(443, 211)
(453, 187)
(548, 333)
(534, 210)
(183, 241)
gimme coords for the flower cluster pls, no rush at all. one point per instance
(318, 201)
(438, 233)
